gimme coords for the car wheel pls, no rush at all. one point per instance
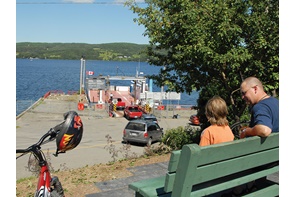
(149, 143)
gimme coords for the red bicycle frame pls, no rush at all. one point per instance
(43, 186)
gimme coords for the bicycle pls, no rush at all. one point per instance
(68, 135)
(238, 126)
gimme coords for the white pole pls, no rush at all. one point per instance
(83, 81)
(162, 89)
(161, 95)
(81, 72)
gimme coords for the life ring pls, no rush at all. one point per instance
(80, 106)
(161, 107)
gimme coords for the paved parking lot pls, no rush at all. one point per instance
(97, 125)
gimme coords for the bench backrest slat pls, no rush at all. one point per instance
(200, 164)
(231, 166)
(243, 148)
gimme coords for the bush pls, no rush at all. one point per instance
(177, 137)
(157, 150)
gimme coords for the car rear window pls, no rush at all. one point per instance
(133, 109)
(152, 119)
(136, 126)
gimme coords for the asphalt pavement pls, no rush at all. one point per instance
(31, 125)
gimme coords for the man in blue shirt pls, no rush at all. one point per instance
(264, 120)
(264, 112)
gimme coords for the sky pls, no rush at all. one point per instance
(77, 21)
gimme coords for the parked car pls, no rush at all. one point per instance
(149, 117)
(142, 131)
(194, 119)
(132, 112)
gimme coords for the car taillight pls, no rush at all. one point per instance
(145, 134)
(124, 132)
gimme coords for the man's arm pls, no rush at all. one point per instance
(257, 130)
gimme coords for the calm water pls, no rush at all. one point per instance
(35, 78)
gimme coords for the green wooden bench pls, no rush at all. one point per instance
(202, 171)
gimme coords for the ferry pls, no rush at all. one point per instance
(103, 94)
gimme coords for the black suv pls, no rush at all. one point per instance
(149, 117)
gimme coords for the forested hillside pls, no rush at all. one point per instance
(108, 51)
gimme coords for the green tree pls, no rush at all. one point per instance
(211, 46)
(106, 55)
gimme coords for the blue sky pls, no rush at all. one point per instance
(77, 21)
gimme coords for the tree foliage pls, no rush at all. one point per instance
(211, 46)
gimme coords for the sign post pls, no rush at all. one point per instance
(82, 74)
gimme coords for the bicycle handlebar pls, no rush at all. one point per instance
(52, 133)
(237, 126)
(239, 123)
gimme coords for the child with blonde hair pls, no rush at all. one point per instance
(219, 130)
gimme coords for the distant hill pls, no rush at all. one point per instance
(108, 51)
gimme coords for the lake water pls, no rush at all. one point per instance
(36, 77)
